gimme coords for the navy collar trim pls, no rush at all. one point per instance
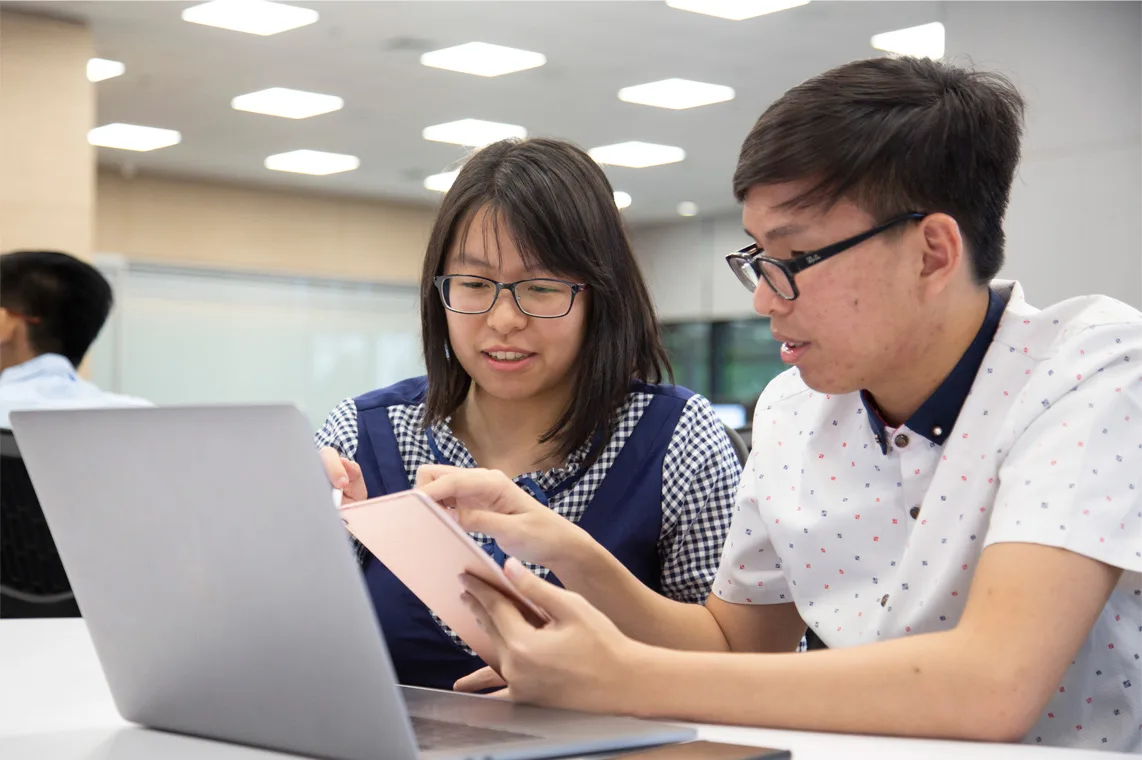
(937, 416)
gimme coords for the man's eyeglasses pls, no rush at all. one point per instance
(752, 266)
(541, 297)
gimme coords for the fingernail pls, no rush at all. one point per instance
(342, 481)
(513, 568)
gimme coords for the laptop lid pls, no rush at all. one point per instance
(217, 583)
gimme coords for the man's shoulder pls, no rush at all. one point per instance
(81, 395)
(788, 402)
(1080, 325)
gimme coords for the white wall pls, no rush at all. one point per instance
(201, 336)
(1075, 221)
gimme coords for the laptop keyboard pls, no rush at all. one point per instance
(440, 734)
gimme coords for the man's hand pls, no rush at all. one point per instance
(579, 660)
(489, 502)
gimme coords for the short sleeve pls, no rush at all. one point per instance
(700, 474)
(1073, 479)
(340, 430)
(750, 572)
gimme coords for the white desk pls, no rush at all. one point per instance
(55, 705)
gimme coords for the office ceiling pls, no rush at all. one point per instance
(182, 76)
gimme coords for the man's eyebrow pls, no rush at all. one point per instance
(776, 233)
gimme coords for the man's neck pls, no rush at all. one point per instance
(12, 356)
(904, 390)
(505, 434)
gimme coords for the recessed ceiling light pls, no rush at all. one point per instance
(676, 94)
(133, 137)
(482, 59)
(99, 69)
(687, 208)
(250, 16)
(287, 103)
(637, 155)
(735, 10)
(472, 132)
(622, 200)
(441, 183)
(315, 162)
(924, 41)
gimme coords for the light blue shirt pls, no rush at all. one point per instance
(50, 382)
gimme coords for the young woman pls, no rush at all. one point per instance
(543, 360)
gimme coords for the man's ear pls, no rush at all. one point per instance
(943, 251)
(8, 325)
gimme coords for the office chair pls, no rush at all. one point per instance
(739, 444)
(33, 583)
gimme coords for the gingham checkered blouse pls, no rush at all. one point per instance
(699, 478)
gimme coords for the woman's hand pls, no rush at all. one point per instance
(579, 660)
(489, 502)
(344, 474)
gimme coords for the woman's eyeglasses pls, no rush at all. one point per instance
(541, 297)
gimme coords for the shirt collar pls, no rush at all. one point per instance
(937, 416)
(44, 364)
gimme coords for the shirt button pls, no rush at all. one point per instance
(915, 512)
(900, 440)
(884, 600)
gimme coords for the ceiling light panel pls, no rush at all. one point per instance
(676, 94)
(483, 59)
(99, 69)
(473, 133)
(735, 10)
(250, 16)
(441, 183)
(637, 155)
(314, 162)
(133, 137)
(287, 103)
(925, 41)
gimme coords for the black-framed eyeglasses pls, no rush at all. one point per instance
(540, 297)
(752, 266)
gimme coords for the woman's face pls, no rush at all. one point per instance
(508, 354)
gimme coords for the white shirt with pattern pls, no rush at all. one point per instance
(1047, 449)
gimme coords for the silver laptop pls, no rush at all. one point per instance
(224, 600)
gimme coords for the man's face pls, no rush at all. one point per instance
(853, 325)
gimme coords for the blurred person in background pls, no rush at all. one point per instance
(52, 307)
(946, 485)
(544, 363)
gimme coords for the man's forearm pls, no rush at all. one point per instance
(639, 612)
(928, 685)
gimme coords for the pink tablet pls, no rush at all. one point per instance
(424, 547)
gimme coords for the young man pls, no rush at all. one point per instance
(52, 306)
(944, 487)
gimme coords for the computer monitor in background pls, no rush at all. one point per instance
(732, 415)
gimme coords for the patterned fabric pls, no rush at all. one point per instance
(874, 545)
(699, 476)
